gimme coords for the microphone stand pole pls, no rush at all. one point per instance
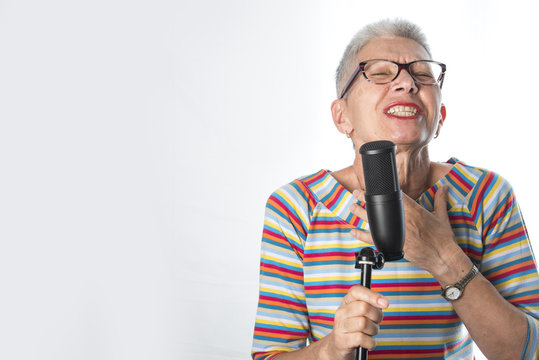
(366, 260)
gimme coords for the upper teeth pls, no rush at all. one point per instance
(402, 110)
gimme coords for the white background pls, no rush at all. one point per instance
(140, 139)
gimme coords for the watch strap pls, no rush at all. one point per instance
(461, 284)
(466, 279)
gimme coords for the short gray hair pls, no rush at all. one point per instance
(396, 27)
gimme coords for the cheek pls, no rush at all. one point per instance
(433, 106)
(367, 107)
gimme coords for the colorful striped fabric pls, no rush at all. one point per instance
(307, 266)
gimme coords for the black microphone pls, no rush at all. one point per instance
(384, 198)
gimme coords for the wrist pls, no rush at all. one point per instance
(322, 351)
(452, 268)
(326, 350)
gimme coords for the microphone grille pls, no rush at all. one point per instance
(379, 167)
(377, 146)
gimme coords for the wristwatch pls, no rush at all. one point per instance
(454, 292)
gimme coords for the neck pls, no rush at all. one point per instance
(413, 167)
(414, 170)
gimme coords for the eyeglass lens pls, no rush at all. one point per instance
(424, 72)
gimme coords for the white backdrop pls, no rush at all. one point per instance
(140, 139)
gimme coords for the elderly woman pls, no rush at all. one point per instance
(459, 219)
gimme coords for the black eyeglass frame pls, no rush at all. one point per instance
(361, 68)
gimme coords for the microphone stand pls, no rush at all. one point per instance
(366, 260)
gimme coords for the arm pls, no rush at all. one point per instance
(282, 323)
(499, 328)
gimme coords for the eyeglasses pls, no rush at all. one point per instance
(426, 72)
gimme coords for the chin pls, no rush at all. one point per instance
(409, 141)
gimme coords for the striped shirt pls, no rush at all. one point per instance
(308, 258)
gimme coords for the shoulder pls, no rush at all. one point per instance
(480, 188)
(301, 189)
(296, 197)
(473, 179)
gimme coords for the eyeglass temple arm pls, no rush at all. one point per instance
(350, 81)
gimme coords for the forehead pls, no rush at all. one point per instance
(393, 48)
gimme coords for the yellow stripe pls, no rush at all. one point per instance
(290, 203)
(504, 249)
(465, 173)
(282, 261)
(280, 323)
(494, 191)
(517, 280)
(421, 342)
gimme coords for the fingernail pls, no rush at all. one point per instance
(353, 207)
(383, 302)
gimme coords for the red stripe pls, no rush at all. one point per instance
(291, 334)
(282, 301)
(279, 269)
(420, 317)
(336, 195)
(298, 225)
(480, 194)
(512, 272)
(315, 177)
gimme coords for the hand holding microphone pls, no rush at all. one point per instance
(385, 212)
(356, 320)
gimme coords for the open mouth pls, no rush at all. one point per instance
(402, 110)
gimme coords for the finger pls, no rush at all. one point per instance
(362, 235)
(359, 195)
(360, 324)
(353, 340)
(361, 293)
(440, 202)
(366, 341)
(359, 211)
(362, 309)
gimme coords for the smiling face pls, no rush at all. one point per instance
(401, 111)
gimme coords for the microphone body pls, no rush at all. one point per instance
(383, 197)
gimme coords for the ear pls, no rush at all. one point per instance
(338, 112)
(443, 113)
(441, 119)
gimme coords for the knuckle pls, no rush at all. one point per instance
(339, 315)
(363, 307)
(376, 329)
(356, 291)
(372, 344)
(362, 323)
(372, 329)
(367, 341)
(381, 317)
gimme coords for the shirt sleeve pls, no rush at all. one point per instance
(282, 322)
(508, 261)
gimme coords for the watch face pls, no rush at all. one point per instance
(452, 293)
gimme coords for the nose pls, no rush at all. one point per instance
(405, 82)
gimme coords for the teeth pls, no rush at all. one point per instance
(400, 110)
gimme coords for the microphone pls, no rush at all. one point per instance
(384, 198)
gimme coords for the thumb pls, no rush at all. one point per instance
(440, 202)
